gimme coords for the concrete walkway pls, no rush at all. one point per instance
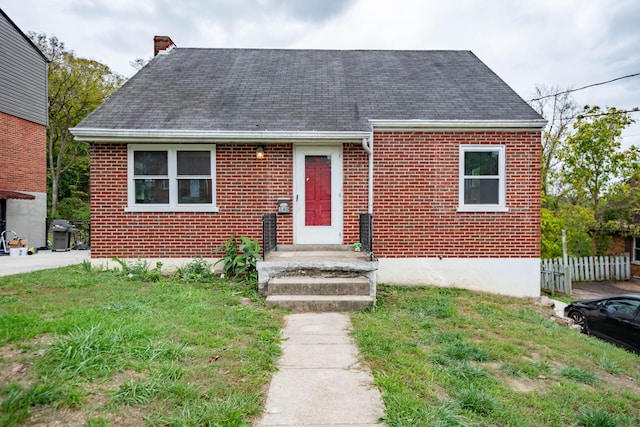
(40, 261)
(320, 381)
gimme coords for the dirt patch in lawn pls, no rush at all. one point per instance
(16, 361)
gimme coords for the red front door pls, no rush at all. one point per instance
(317, 172)
(317, 186)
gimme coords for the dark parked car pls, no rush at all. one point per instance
(615, 319)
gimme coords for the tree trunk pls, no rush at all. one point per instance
(54, 195)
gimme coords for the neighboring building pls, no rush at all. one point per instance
(23, 137)
(440, 150)
(631, 245)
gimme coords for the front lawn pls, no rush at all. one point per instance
(450, 357)
(101, 348)
(98, 348)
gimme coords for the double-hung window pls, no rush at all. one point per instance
(636, 250)
(482, 178)
(171, 178)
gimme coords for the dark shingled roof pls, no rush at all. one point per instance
(306, 90)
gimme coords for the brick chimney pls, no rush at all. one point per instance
(161, 43)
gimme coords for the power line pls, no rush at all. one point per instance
(585, 87)
(607, 113)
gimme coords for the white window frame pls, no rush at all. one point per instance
(635, 247)
(173, 205)
(501, 206)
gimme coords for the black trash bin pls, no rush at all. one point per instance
(62, 231)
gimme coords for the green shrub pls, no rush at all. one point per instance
(197, 270)
(140, 270)
(239, 260)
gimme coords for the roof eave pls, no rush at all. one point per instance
(176, 135)
(185, 135)
(459, 125)
(19, 195)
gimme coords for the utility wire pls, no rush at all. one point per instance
(606, 113)
(584, 87)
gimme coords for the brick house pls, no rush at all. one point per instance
(629, 244)
(201, 143)
(23, 137)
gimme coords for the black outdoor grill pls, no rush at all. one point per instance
(62, 231)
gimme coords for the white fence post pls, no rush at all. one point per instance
(557, 274)
(627, 265)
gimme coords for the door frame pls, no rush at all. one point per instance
(317, 235)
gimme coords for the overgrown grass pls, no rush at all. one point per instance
(450, 357)
(80, 346)
(104, 348)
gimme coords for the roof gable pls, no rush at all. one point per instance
(24, 36)
(23, 75)
(306, 91)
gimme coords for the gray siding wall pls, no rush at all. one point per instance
(23, 76)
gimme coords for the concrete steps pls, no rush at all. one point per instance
(318, 280)
(320, 303)
(319, 286)
(322, 294)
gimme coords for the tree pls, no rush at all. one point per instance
(579, 223)
(622, 211)
(76, 87)
(139, 63)
(593, 172)
(592, 159)
(559, 109)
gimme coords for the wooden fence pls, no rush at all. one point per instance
(556, 277)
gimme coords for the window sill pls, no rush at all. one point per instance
(192, 208)
(482, 208)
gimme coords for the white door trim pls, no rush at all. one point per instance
(317, 235)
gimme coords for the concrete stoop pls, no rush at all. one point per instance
(321, 294)
(319, 286)
(320, 303)
(318, 282)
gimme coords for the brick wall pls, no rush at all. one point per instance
(416, 197)
(620, 245)
(355, 190)
(246, 188)
(23, 164)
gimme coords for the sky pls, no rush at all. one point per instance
(554, 43)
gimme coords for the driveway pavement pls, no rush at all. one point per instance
(40, 261)
(584, 290)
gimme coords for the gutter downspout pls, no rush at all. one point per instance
(367, 145)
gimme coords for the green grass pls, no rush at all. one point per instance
(596, 418)
(102, 348)
(450, 357)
